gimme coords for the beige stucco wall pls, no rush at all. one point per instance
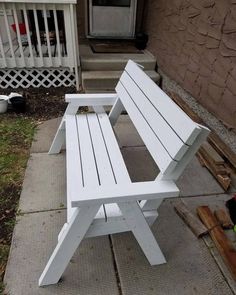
(195, 44)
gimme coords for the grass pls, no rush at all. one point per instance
(16, 135)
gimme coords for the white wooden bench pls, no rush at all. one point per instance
(101, 199)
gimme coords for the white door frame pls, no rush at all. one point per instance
(88, 20)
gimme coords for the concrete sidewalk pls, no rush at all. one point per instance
(116, 264)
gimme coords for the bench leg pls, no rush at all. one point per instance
(138, 225)
(69, 241)
(59, 139)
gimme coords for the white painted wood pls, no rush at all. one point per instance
(119, 168)
(9, 36)
(161, 128)
(68, 243)
(126, 192)
(18, 34)
(115, 223)
(47, 33)
(74, 173)
(98, 180)
(104, 167)
(136, 222)
(90, 175)
(74, 44)
(58, 140)
(59, 137)
(57, 35)
(156, 149)
(91, 99)
(164, 104)
(2, 52)
(28, 34)
(39, 45)
(116, 111)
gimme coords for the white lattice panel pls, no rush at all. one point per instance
(46, 77)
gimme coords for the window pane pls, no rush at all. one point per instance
(121, 3)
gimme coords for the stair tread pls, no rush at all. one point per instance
(111, 74)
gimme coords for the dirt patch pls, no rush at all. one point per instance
(42, 104)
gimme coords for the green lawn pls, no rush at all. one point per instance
(16, 134)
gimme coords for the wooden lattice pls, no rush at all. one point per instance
(45, 77)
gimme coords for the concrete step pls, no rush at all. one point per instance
(91, 61)
(97, 81)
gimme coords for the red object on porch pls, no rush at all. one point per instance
(21, 27)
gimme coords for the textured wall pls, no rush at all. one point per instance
(195, 44)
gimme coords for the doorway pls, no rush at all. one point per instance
(112, 18)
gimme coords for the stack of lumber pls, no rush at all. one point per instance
(212, 224)
(221, 241)
(214, 154)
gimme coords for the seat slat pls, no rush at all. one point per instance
(179, 121)
(117, 161)
(88, 163)
(163, 131)
(156, 149)
(104, 168)
(90, 177)
(73, 162)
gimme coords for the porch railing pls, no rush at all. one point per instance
(41, 34)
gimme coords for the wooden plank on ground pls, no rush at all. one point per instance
(220, 172)
(224, 219)
(223, 244)
(212, 153)
(190, 219)
(222, 148)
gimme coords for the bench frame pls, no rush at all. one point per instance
(133, 215)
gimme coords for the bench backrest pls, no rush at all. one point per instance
(165, 129)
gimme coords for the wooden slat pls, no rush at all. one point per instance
(224, 219)
(47, 34)
(74, 175)
(30, 47)
(57, 35)
(125, 193)
(223, 244)
(39, 45)
(210, 152)
(165, 133)
(117, 161)
(190, 219)
(2, 52)
(8, 34)
(104, 168)
(163, 103)
(222, 148)
(91, 99)
(156, 149)
(18, 35)
(88, 163)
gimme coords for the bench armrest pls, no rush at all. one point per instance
(98, 99)
(124, 192)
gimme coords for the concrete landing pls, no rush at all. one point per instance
(114, 265)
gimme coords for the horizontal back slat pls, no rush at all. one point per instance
(184, 127)
(163, 131)
(156, 149)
